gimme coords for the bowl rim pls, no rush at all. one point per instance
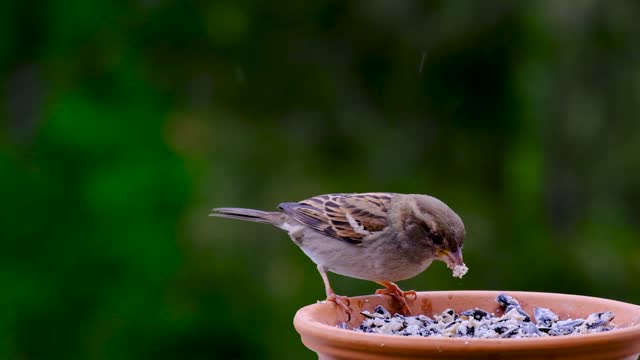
(306, 325)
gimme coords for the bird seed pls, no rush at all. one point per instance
(477, 323)
(460, 270)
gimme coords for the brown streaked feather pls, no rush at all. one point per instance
(335, 214)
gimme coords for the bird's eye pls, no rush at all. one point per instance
(437, 239)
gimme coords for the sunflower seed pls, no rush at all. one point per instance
(477, 323)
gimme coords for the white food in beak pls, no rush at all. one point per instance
(460, 270)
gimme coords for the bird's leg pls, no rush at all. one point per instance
(341, 301)
(394, 291)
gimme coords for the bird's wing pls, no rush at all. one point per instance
(348, 217)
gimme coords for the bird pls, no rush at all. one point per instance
(382, 237)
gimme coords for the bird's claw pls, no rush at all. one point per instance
(411, 293)
(394, 291)
(343, 302)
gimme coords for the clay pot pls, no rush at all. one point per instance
(317, 327)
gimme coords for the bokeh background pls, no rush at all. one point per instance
(123, 123)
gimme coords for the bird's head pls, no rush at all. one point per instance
(434, 224)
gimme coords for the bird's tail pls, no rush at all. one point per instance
(267, 217)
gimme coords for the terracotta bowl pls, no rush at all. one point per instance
(317, 327)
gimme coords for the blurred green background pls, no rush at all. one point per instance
(123, 123)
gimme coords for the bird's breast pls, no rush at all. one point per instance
(374, 259)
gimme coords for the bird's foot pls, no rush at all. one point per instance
(342, 301)
(394, 291)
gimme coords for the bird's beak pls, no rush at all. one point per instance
(452, 259)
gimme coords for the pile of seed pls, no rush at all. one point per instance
(477, 323)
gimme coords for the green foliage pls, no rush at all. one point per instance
(123, 123)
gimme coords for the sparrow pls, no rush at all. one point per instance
(378, 236)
